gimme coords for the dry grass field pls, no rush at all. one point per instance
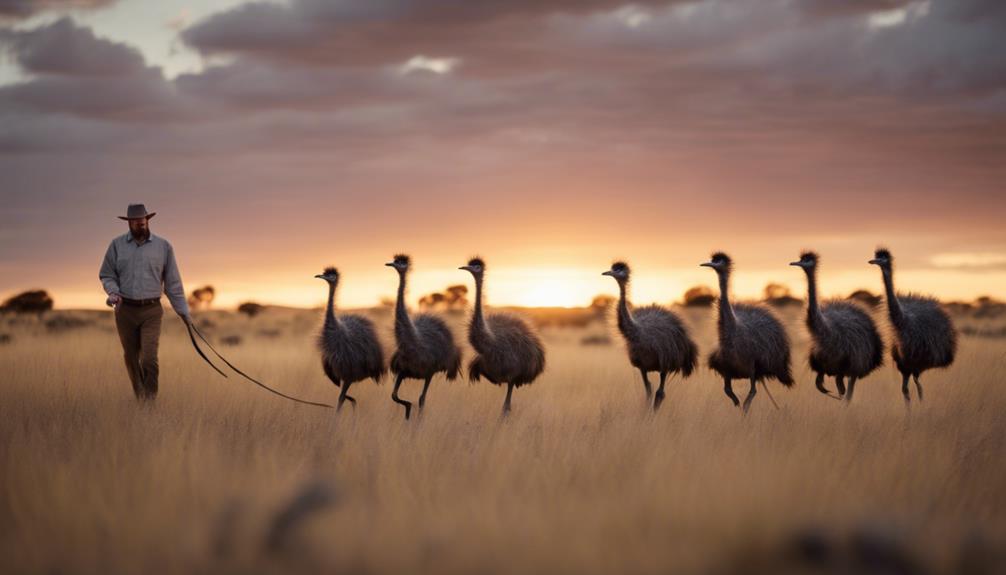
(220, 476)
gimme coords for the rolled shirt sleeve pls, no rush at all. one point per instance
(173, 283)
(108, 276)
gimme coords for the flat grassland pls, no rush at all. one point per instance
(220, 476)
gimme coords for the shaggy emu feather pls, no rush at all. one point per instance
(753, 343)
(656, 338)
(845, 342)
(350, 350)
(425, 345)
(508, 350)
(924, 336)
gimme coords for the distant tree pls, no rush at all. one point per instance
(866, 298)
(601, 303)
(250, 308)
(202, 298)
(778, 295)
(32, 301)
(699, 296)
(456, 296)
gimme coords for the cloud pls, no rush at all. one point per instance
(26, 8)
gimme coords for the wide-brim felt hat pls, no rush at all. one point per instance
(137, 211)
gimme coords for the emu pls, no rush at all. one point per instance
(425, 344)
(507, 350)
(753, 344)
(656, 338)
(924, 336)
(845, 342)
(350, 350)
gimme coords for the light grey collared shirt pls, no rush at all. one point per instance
(142, 271)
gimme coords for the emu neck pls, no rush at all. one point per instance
(404, 330)
(727, 318)
(893, 306)
(626, 324)
(478, 334)
(330, 320)
(815, 321)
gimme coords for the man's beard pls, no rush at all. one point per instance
(142, 235)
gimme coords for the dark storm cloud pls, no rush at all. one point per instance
(26, 8)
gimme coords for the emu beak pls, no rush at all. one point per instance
(874, 262)
(706, 264)
(795, 263)
(607, 273)
(466, 268)
(390, 264)
(319, 276)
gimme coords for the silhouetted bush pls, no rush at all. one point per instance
(202, 298)
(33, 301)
(778, 295)
(601, 304)
(66, 322)
(5, 338)
(866, 298)
(250, 308)
(596, 339)
(699, 296)
(453, 298)
(231, 340)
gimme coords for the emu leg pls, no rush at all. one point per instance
(344, 396)
(646, 384)
(819, 383)
(422, 396)
(659, 398)
(506, 402)
(852, 386)
(904, 388)
(918, 386)
(399, 401)
(840, 384)
(750, 397)
(728, 389)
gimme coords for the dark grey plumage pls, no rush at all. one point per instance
(845, 342)
(924, 336)
(425, 345)
(350, 349)
(753, 343)
(508, 350)
(656, 338)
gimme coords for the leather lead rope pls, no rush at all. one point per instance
(193, 328)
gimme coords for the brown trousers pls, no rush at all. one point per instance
(139, 331)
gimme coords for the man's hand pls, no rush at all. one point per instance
(113, 300)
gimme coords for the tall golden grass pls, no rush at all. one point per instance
(582, 478)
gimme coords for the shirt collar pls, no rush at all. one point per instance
(130, 240)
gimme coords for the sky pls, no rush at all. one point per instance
(551, 138)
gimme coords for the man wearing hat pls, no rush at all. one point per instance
(138, 267)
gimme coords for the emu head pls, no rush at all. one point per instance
(720, 262)
(807, 261)
(883, 258)
(476, 266)
(331, 275)
(619, 270)
(401, 262)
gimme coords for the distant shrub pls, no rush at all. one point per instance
(32, 301)
(601, 304)
(866, 298)
(596, 339)
(231, 340)
(66, 322)
(5, 338)
(270, 333)
(699, 296)
(453, 298)
(250, 308)
(778, 295)
(202, 298)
